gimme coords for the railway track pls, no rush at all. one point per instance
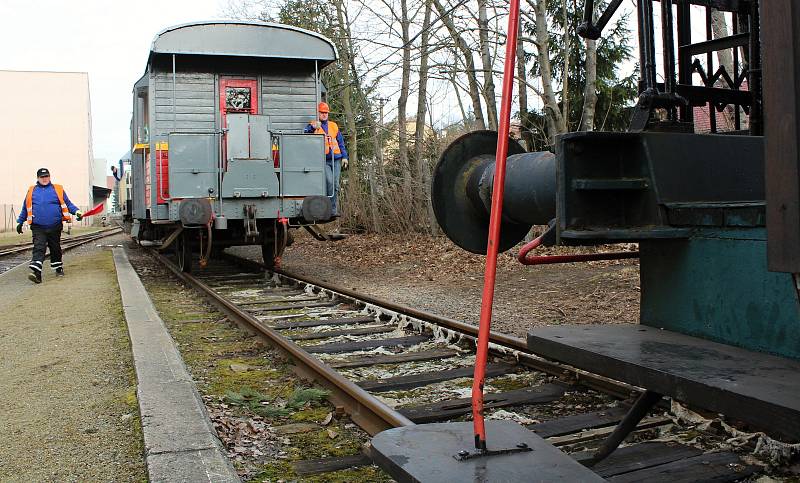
(13, 255)
(388, 365)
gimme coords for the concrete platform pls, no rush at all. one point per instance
(65, 375)
(180, 442)
(425, 453)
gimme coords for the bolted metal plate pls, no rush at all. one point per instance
(195, 211)
(466, 224)
(427, 453)
(316, 208)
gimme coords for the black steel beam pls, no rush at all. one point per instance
(701, 95)
(713, 45)
(723, 5)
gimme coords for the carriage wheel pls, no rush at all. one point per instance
(183, 251)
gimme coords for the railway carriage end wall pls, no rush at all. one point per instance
(287, 93)
(189, 102)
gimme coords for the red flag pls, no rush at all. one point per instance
(97, 209)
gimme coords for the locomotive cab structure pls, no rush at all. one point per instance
(218, 156)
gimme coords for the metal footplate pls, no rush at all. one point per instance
(425, 453)
(465, 455)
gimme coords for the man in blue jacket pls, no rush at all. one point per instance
(45, 208)
(335, 152)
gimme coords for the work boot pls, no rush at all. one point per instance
(59, 272)
(35, 277)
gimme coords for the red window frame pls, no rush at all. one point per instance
(225, 83)
(223, 112)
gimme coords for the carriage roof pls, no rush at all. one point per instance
(244, 39)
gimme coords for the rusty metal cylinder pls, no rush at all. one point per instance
(530, 191)
(462, 191)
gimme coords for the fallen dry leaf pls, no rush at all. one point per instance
(235, 367)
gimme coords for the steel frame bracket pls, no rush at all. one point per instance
(465, 455)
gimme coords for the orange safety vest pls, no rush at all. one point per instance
(65, 215)
(330, 137)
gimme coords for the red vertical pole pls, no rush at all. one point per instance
(494, 228)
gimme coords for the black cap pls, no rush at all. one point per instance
(42, 172)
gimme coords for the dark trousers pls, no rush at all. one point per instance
(42, 239)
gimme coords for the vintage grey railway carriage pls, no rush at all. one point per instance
(218, 153)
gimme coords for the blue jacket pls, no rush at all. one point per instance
(46, 208)
(339, 139)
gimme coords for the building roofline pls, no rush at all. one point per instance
(45, 71)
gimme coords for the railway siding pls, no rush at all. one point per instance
(248, 389)
(420, 358)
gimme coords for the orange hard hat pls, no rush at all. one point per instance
(323, 107)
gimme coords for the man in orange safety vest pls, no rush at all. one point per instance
(336, 157)
(45, 208)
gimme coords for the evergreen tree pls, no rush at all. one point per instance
(616, 93)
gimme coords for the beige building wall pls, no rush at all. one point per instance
(46, 122)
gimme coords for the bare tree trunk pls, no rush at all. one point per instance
(489, 95)
(419, 129)
(719, 29)
(555, 121)
(373, 192)
(379, 133)
(402, 103)
(350, 118)
(522, 81)
(590, 89)
(469, 62)
(456, 89)
(565, 77)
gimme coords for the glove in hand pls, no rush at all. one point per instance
(19, 228)
(79, 215)
(345, 162)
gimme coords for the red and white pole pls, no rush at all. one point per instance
(494, 228)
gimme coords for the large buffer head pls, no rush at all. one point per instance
(462, 191)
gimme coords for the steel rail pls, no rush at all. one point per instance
(79, 239)
(372, 415)
(526, 357)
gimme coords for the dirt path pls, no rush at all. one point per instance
(68, 408)
(435, 275)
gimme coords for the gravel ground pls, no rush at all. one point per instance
(68, 409)
(434, 275)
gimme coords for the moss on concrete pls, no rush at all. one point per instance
(283, 471)
(364, 473)
(276, 471)
(319, 444)
(504, 383)
(228, 376)
(311, 415)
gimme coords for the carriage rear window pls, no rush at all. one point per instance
(237, 98)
